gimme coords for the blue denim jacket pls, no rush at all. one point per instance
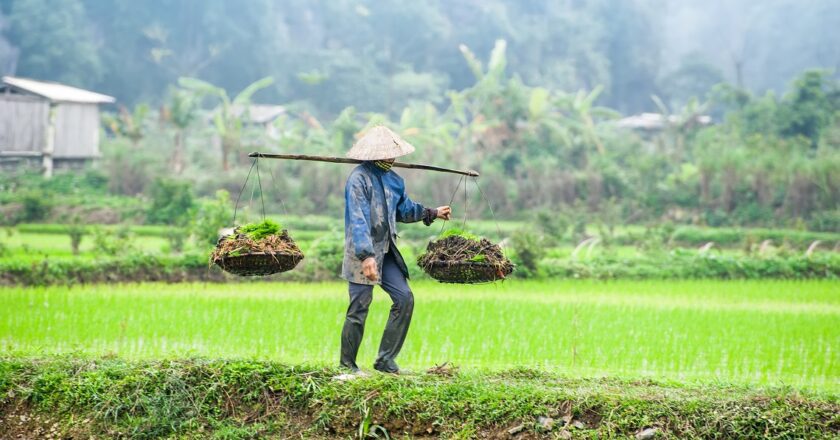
(374, 200)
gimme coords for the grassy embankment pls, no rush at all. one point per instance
(111, 398)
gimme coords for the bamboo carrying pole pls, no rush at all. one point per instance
(415, 166)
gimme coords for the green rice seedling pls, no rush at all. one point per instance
(453, 232)
(744, 332)
(258, 231)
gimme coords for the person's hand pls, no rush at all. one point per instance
(369, 269)
(444, 212)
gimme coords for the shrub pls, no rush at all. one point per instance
(210, 218)
(73, 182)
(655, 238)
(695, 236)
(36, 206)
(128, 169)
(327, 255)
(827, 221)
(529, 251)
(553, 224)
(128, 268)
(10, 213)
(176, 237)
(76, 231)
(172, 202)
(113, 242)
(681, 264)
(55, 228)
(194, 267)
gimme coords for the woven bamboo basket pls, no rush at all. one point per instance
(467, 272)
(259, 263)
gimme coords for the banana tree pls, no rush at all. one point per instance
(488, 111)
(582, 112)
(181, 112)
(129, 124)
(227, 122)
(682, 123)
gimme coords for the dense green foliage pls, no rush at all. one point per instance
(211, 216)
(122, 266)
(248, 399)
(533, 111)
(171, 202)
(731, 236)
(25, 196)
(528, 251)
(539, 150)
(688, 265)
(378, 55)
(36, 206)
(326, 255)
(51, 228)
(126, 265)
(45, 253)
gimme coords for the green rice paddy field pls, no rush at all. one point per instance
(763, 332)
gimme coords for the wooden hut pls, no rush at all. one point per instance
(54, 124)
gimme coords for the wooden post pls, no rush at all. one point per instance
(49, 147)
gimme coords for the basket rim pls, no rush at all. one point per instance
(290, 254)
(444, 263)
(260, 254)
(259, 263)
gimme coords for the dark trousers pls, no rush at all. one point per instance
(395, 284)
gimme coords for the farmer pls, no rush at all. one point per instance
(375, 199)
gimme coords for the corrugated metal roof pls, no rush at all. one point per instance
(57, 92)
(656, 121)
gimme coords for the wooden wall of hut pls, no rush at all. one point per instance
(76, 130)
(23, 123)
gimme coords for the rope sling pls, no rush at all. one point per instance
(488, 262)
(272, 254)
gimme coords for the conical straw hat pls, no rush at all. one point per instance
(380, 143)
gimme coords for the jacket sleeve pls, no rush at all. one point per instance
(358, 211)
(408, 211)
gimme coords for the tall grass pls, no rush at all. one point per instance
(764, 332)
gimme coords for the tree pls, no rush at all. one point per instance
(55, 41)
(229, 113)
(583, 112)
(172, 202)
(181, 112)
(808, 108)
(682, 124)
(633, 48)
(131, 125)
(694, 78)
